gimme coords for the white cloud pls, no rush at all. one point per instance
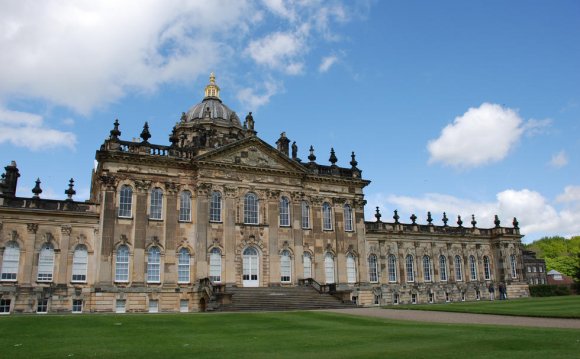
(27, 130)
(559, 160)
(327, 63)
(281, 8)
(278, 51)
(252, 100)
(536, 215)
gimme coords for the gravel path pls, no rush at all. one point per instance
(460, 318)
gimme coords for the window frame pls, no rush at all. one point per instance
(305, 266)
(10, 262)
(458, 264)
(392, 268)
(410, 268)
(42, 306)
(154, 265)
(215, 263)
(284, 211)
(348, 218)
(305, 215)
(75, 306)
(329, 268)
(443, 272)
(427, 270)
(326, 217)
(486, 268)
(251, 209)
(122, 266)
(351, 274)
(513, 266)
(79, 267)
(45, 269)
(5, 306)
(185, 206)
(156, 204)
(373, 268)
(285, 267)
(472, 268)
(215, 207)
(125, 202)
(183, 267)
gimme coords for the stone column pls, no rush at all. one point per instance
(229, 200)
(108, 217)
(141, 225)
(171, 223)
(63, 275)
(28, 264)
(202, 220)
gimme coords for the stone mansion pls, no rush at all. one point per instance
(168, 226)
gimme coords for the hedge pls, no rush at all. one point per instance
(544, 290)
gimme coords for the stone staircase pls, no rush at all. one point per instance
(280, 298)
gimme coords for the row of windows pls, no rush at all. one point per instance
(535, 269)
(251, 209)
(11, 261)
(42, 306)
(533, 281)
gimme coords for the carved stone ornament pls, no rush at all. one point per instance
(32, 227)
(273, 194)
(66, 230)
(340, 201)
(47, 237)
(203, 189)
(171, 188)
(230, 191)
(110, 182)
(142, 185)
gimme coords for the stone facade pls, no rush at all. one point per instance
(219, 207)
(534, 268)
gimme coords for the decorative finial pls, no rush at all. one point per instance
(377, 214)
(115, 133)
(445, 219)
(353, 162)
(212, 90)
(333, 158)
(459, 221)
(145, 135)
(473, 221)
(496, 221)
(396, 217)
(311, 156)
(70, 191)
(429, 218)
(516, 223)
(413, 218)
(37, 190)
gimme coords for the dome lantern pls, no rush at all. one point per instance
(212, 90)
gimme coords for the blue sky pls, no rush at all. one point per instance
(464, 107)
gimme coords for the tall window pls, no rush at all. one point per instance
(326, 217)
(427, 268)
(185, 206)
(443, 268)
(79, 266)
(250, 209)
(513, 266)
(284, 212)
(215, 265)
(458, 269)
(45, 263)
(329, 267)
(392, 268)
(183, 263)
(350, 268)
(125, 201)
(486, 268)
(373, 270)
(154, 265)
(156, 205)
(472, 268)
(348, 218)
(285, 267)
(215, 207)
(410, 268)
(305, 215)
(10, 261)
(307, 265)
(122, 264)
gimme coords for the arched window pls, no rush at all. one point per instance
(326, 217)
(154, 265)
(513, 266)
(443, 268)
(329, 267)
(307, 265)
(392, 268)
(472, 268)
(185, 206)
(285, 267)
(305, 215)
(126, 201)
(350, 268)
(427, 268)
(45, 263)
(410, 266)
(215, 265)
(284, 212)
(215, 207)
(348, 218)
(10, 261)
(122, 264)
(250, 209)
(373, 270)
(156, 204)
(458, 269)
(80, 262)
(183, 264)
(486, 268)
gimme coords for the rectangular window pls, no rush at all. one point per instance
(326, 217)
(284, 212)
(396, 299)
(305, 215)
(529, 269)
(348, 218)
(477, 295)
(125, 202)
(463, 296)
(431, 298)
(42, 306)
(185, 206)
(392, 269)
(541, 269)
(215, 207)
(447, 299)
(77, 306)
(153, 306)
(120, 306)
(156, 204)
(4, 306)
(184, 305)
(413, 298)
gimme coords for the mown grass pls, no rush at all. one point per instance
(270, 335)
(555, 307)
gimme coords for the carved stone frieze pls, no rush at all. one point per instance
(32, 227)
(273, 194)
(110, 182)
(339, 201)
(231, 192)
(172, 188)
(203, 189)
(66, 230)
(142, 186)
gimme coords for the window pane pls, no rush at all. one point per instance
(307, 265)
(284, 212)
(122, 264)
(513, 266)
(183, 265)
(305, 215)
(215, 265)
(350, 268)
(185, 206)
(326, 217)
(125, 201)
(458, 269)
(410, 268)
(80, 261)
(443, 268)
(285, 267)
(348, 218)
(153, 265)
(10, 261)
(156, 204)
(392, 268)
(251, 209)
(427, 268)
(329, 267)
(45, 264)
(486, 268)
(472, 268)
(373, 271)
(215, 209)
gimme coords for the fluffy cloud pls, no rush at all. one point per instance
(481, 135)
(559, 160)
(278, 51)
(327, 63)
(251, 99)
(537, 216)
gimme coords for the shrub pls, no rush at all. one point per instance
(545, 290)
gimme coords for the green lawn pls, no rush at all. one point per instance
(270, 335)
(557, 307)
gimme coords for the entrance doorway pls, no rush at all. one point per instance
(251, 267)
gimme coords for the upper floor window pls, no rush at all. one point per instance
(251, 209)
(45, 263)
(348, 226)
(125, 201)
(154, 265)
(215, 207)
(458, 268)
(513, 266)
(443, 268)
(392, 268)
(156, 205)
(285, 267)
(326, 217)
(305, 209)
(10, 261)
(79, 266)
(122, 264)
(373, 269)
(284, 212)
(410, 266)
(472, 268)
(486, 268)
(183, 264)
(427, 268)
(185, 206)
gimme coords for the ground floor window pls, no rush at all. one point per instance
(4, 306)
(120, 306)
(184, 306)
(447, 297)
(463, 296)
(285, 267)
(42, 306)
(413, 298)
(377, 300)
(153, 306)
(77, 306)
(431, 297)
(477, 295)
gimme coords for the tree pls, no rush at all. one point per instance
(559, 253)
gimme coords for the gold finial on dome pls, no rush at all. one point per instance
(212, 90)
